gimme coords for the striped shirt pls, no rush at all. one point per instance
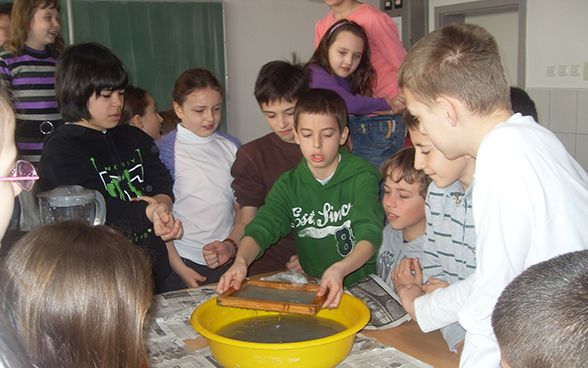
(450, 252)
(31, 77)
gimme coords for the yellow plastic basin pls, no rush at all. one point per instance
(320, 353)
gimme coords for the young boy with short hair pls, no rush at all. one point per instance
(530, 196)
(449, 254)
(405, 189)
(260, 163)
(540, 318)
(331, 199)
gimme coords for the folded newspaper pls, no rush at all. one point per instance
(382, 301)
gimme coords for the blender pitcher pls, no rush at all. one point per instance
(72, 202)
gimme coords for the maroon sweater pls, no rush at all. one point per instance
(257, 167)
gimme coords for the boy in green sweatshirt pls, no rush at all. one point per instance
(331, 199)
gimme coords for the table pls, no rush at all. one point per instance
(430, 348)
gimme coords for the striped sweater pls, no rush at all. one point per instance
(31, 77)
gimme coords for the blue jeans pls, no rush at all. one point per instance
(376, 138)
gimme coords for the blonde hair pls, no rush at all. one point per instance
(458, 60)
(80, 295)
(23, 12)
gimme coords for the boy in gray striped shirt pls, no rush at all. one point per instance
(449, 254)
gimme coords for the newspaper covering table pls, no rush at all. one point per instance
(168, 327)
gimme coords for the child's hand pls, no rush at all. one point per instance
(434, 284)
(218, 253)
(233, 277)
(164, 224)
(190, 277)
(294, 264)
(408, 294)
(332, 280)
(408, 271)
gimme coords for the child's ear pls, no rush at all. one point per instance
(296, 138)
(178, 110)
(136, 121)
(344, 135)
(448, 108)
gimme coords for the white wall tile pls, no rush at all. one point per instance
(582, 112)
(582, 150)
(569, 142)
(563, 110)
(541, 99)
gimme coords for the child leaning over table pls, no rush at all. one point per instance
(449, 254)
(405, 189)
(331, 198)
(530, 197)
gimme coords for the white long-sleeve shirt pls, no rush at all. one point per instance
(530, 202)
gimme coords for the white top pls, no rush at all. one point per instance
(204, 198)
(530, 202)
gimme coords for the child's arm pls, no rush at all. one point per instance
(248, 251)
(333, 277)
(190, 277)
(159, 212)
(356, 104)
(218, 253)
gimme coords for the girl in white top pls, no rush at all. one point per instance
(200, 162)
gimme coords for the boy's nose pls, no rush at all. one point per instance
(159, 118)
(316, 141)
(419, 162)
(389, 200)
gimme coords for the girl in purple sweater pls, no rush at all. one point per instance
(341, 63)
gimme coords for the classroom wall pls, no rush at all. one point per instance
(259, 31)
(555, 36)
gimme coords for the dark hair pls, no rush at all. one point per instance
(410, 121)
(193, 80)
(540, 319)
(458, 60)
(6, 9)
(320, 101)
(80, 294)
(281, 81)
(170, 121)
(521, 102)
(403, 162)
(135, 104)
(23, 12)
(83, 70)
(363, 80)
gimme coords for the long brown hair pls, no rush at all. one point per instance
(80, 296)
(363, 79)
(20, 24)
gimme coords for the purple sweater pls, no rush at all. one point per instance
(356, 104)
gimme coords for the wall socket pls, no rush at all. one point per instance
(562, 70)
(551, 70)
(575, 70)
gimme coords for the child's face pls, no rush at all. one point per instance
(8, 189)
(442, 171)
(44, 28)
(280, 117)
(105, 109)
(201, 111)
(151, 121)
(345, 54)
(319, 138)
(404, 206)
(433, 123)
(4, 28)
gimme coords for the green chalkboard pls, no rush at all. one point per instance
(156, 40)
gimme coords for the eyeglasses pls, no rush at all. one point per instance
(23, 174)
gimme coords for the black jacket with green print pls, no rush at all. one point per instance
(121, 163)
(329, 219)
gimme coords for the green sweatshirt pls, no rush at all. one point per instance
(329, 219)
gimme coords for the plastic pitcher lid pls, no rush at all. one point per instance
(68, 196)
